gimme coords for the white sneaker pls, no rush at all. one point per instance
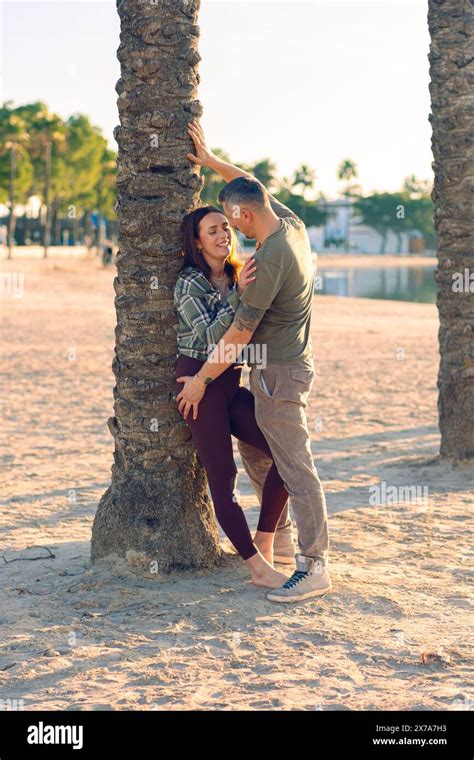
(311, 578)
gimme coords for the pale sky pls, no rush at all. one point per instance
(298, 82)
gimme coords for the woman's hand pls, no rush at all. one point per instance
(247, 275)
(203, 155)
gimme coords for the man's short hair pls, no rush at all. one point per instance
(243, 191)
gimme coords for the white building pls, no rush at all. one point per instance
(362, 239)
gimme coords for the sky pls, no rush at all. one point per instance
(298, 82)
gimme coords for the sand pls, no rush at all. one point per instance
(393, 633)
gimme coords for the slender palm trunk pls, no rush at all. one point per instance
(157, 506)
(47, 224)
(11, 217)
(452, 117)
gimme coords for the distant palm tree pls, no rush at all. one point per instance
(347, 170)
(156, 508)
(15, 166)
(47, 135)
(451, 70)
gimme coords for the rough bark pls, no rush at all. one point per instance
(451, 60)
(157, 504)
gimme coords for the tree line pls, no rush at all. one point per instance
(68, 165)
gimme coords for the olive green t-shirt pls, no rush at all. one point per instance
(284, 287)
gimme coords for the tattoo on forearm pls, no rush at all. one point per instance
(247, 317)
(205, 380)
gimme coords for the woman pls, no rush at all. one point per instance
(206, 296)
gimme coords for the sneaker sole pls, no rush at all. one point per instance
(301, 598)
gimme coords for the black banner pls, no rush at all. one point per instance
(375, 734)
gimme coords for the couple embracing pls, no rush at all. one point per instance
(224, 309)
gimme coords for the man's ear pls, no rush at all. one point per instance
(247, 215)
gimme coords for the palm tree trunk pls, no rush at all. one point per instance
(11, 217)
(156, 509)
(47, 224)
(452, 107)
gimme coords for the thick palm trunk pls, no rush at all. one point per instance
(157, 504)
(452, 105)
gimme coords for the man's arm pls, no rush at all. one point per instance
(205, 157)
(234, 340)
(229, 172)
(246, 321)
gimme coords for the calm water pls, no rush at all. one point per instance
(389, 283)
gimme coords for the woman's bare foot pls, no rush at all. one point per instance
(263, 574)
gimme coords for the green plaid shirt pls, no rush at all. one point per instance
(203, 317)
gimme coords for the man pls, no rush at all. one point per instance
(275, 312)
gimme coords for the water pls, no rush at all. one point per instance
(402, 283)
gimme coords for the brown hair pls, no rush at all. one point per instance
(193, 257)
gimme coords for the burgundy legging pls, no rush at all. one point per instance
(226, 409)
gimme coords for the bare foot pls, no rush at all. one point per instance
(270, 578)
(263, 574)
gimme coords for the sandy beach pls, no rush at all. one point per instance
(393, 634)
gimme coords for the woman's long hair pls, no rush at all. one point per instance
(192, 256)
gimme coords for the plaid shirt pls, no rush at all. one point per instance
(203, 317)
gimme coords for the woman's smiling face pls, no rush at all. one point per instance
(215, 236)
